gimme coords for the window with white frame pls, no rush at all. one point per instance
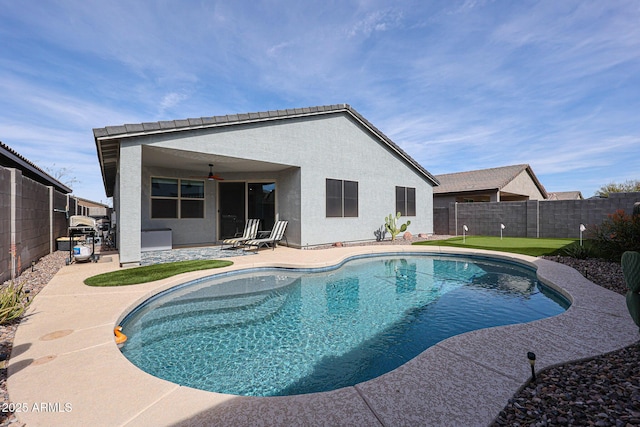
(177, 198)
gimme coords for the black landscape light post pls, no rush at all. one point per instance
(532, 361)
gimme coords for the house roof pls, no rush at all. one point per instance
(10, 158)
(483, 180)
(566, 195)
(108, 138)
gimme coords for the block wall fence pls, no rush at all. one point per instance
(32, 217)
(533, 218)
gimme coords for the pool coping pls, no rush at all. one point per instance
(65, 368)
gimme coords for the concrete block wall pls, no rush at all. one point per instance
(5, 224)
(545, 218)
(29, 206)
(485, 218)
(440, 220)
(32, 222)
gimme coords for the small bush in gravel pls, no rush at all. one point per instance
(13, 302)
(618, 233)
(578, 251)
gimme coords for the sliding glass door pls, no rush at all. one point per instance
(238, 201)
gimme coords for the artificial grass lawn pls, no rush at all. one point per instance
(149, 273)
(519, 245)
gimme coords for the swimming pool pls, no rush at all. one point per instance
(271, 332)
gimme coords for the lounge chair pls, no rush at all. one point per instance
(277, 234)
(250, 233)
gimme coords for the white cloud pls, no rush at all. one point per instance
(376, 21)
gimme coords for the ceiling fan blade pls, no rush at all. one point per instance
(212, 176)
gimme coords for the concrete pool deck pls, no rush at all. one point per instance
(65, 368)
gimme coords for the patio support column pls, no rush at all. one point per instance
(130, 191)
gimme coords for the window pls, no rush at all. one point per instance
(406, 201)
(342, 198)
(177, 198)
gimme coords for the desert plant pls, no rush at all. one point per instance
(618, 233)
(380, 233)
(576, 250)
(631, 269)
(13, 302)
(391, 224)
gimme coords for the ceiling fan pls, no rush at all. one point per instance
(211, 176)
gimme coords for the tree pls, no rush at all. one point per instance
(628, 186)
(62, 174)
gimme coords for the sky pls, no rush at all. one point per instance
(459, 84)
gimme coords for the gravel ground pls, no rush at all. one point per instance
(603, 391)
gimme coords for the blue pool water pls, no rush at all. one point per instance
(282, 332)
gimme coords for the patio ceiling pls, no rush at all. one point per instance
(198, 162)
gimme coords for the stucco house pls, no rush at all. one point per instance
(327, 170)
(501, 184)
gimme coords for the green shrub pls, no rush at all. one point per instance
(618, 233)
(13, 302)
(584, 251)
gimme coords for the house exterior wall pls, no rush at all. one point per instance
(345, 152)
(184, 231)
(523, 184)
(322, 147)
(310, 150)
(130, 205)
(289, 201)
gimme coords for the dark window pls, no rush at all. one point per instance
(164, 187)
(406, 201)
(350, 199)
(175, 198)
(164, 208)
(192, 208)
(191, 189)
(334, 198)
(342, 198)
(401, 200)
(411, 201)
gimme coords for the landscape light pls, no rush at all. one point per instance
(464, 230)
(582, 228)
(532, 361)
(502, 227)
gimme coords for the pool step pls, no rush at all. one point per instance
(209, 315)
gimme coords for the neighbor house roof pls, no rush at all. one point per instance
(566, 195)
(108, 138)
(483, 179)
(10, 158)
